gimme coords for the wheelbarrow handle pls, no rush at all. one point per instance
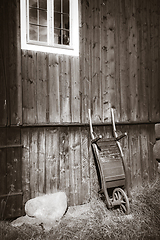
(121, 136)
(96, 139)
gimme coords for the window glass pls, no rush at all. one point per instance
(65, 37)
(57, 20)
(61, 20)
(66, 6)
(66, 21)
(57, 5)
(33, 32)
(43, 17)
(46, 26)
(43, 4)
(43, 34)
(33, 15)
(57, 38)
(33, 3)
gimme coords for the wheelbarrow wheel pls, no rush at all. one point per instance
(120, 195)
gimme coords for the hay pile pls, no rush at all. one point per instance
(95, 221)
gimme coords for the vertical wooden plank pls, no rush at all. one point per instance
(75, 166)
(152, 160)
(96, 63)
(148, 6)
(117, 62)
(41, 161)
(158, 51)
(123, 62)
(104, 57)
(64, 166)
(54, 91)
(142, 60)
(3, 89)
(144, 155)
(85, 64)
(109, 97)
(24, 85)
(3, 162)
(154, 61)
(65, 89)
(41, 87)
(19, 67)
(25, 164)
(134, 143)
(75, 89)
(76, 148)
(3, 76)
(30, 91)
(85, 166)
(125, 148)
(14, 172)
(14, 61)
(71, 172)
(52, 160)
(133, 76)
(33, 153)
(5, 56)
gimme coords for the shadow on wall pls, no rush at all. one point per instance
(156, 148)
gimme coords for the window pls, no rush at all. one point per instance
(50, 26)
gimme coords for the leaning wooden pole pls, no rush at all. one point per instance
(96, 153)
(122, 155)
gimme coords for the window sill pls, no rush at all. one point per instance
(66, 50)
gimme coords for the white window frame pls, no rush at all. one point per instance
(72, 49)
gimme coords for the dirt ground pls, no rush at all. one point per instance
(95, 221)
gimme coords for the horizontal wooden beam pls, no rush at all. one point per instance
(11, 146)
(11, 194)
(79, 124)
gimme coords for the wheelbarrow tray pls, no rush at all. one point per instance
(112, 167)
(111, 164)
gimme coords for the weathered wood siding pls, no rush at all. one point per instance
(10, 173)
(60, 158)
(10, 64)
(120, 58)
(51, 88)
(118, 67)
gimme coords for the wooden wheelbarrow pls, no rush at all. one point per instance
(112, 168)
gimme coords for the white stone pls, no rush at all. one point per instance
(156, 150)
(157, 130)
(48, 208)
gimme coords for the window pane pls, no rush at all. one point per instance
(43, 34)
(57, 20)
(57, 36)
(42, 17)
(33, 15)
(66, 6)
(65, 21)
(57, 5)
(65, 37)
(33, 32)
(33, 3)
(43, 4)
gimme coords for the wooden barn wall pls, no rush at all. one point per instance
(117, 66)
(61, 158)
(10, 64)
(51, 88)
(10, 173)
(120, 42)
